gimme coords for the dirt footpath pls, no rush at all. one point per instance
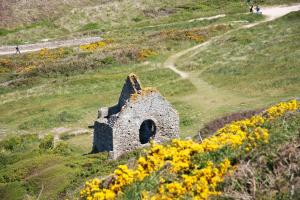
(7, 50)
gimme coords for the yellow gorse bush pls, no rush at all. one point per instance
(194, 36)
(95, 45)
(51, 54)
(146, 53)
(177, 158)
(281, 108)
(29, 68)
(198, 183)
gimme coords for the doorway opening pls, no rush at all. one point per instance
(147, 131)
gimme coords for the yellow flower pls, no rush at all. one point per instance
(194, 182)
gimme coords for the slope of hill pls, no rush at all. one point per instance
(185, 169)
(32, 20)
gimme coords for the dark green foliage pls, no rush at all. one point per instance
(90, 26)
(18, 142)
(36, 163)
(12, 143)
(47, 143)
(137, 19)
(5, 31)
(62, 148)
(108, 60)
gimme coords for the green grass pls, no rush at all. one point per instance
(56, 95)
(73, 99)
(246, 69)
(27, 169)
(267, 53)
(4, 31)
(90, 26)
(58, 100)
(76, 18)
(12, 191)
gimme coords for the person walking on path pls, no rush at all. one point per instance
(251, 9)
(258, 10)
(18, 50)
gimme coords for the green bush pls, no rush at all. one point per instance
(47, 142)
(108, 60)
(4, 32)
(12, 143)
(17, 142)
(90, 26)
(137, 19)
(62, 148)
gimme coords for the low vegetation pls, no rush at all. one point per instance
(32, 167)
(186, 169)
(233, 62)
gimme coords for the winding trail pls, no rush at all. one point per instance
(7, 50)
(206, 100)
(271, 13)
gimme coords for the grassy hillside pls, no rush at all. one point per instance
(184, 169)
(33, 167)
(257, 62)
(33, 21)
(55, 19)
(272, 174)
(68, 85)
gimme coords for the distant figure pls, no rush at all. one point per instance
(251, 9)
(18, 50)
(258, 11)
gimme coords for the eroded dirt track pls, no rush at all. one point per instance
(207, 98)
(7, 50)
(271, 13)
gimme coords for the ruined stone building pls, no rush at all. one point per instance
(141, 115)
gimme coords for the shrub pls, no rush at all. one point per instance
(146, 53)
(216, 124)
(62, 148)
(47, 142)
(16, 142)
(108, 60)
(11, 143)
(90, 26)
(137, 19)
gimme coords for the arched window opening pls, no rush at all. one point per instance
(147, 131)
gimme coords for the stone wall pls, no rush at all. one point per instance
(152, 106)
(103, 137)
(141, 115)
